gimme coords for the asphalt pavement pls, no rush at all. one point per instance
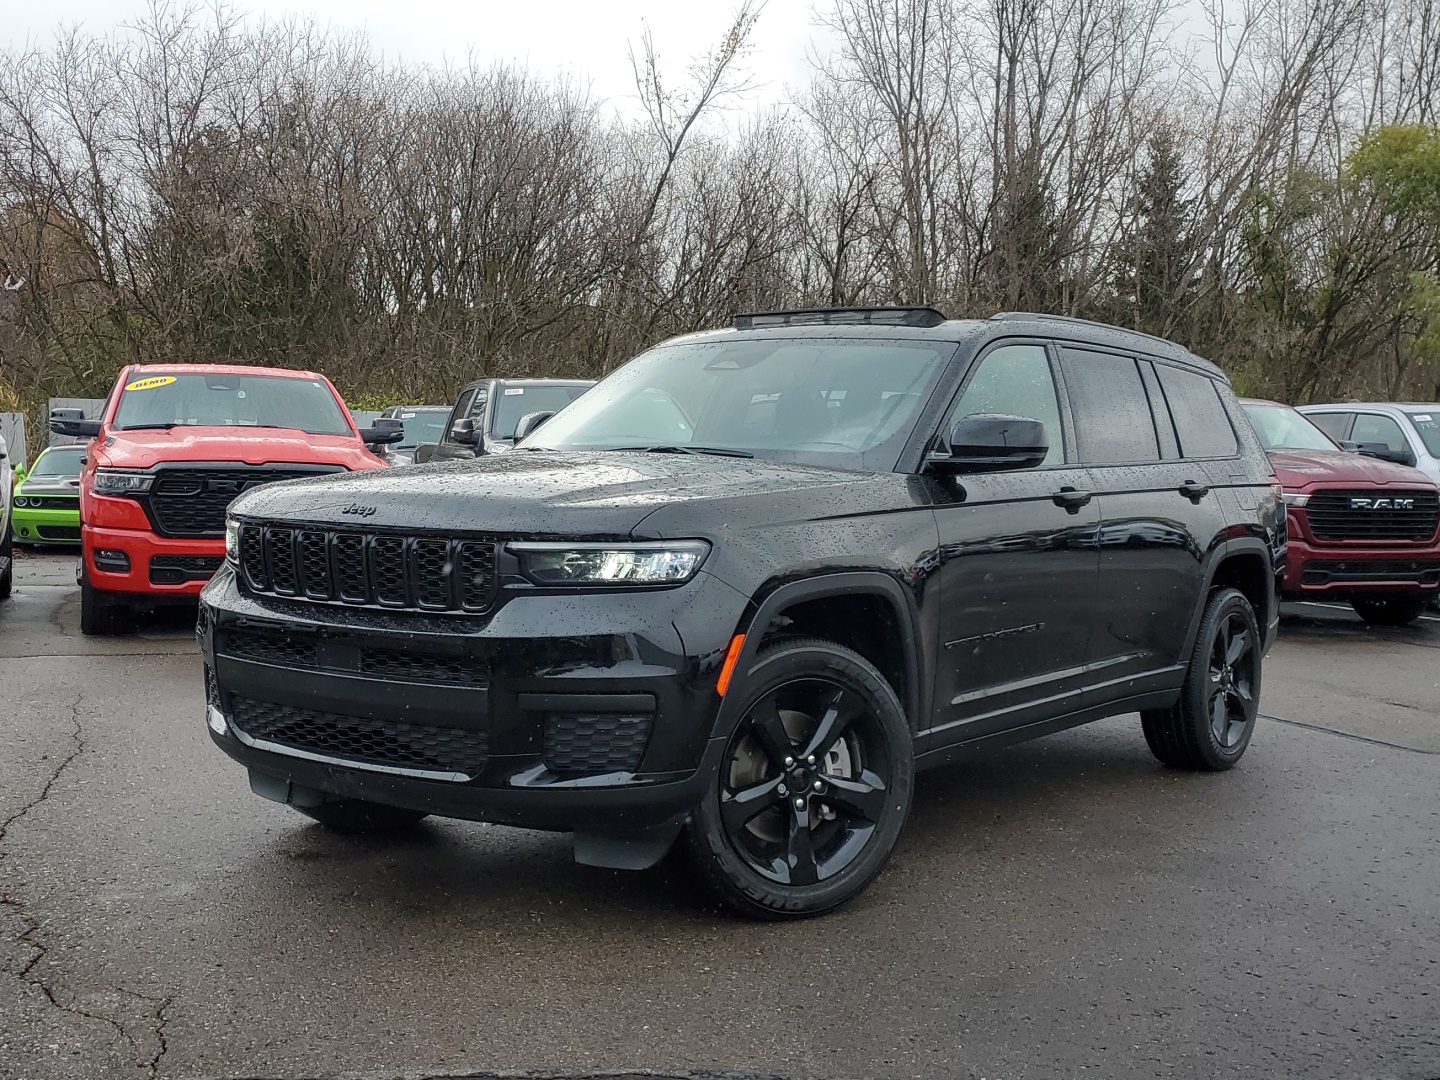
(1066, 908)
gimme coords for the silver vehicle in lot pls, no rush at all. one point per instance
(1405, 432)
(7, 542)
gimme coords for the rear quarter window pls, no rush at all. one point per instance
(1201, 423)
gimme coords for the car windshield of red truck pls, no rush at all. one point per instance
(185, 399)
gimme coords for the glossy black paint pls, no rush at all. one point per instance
(1001, 604)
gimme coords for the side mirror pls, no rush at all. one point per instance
(529, 422)
(72, 422)
(1385, 453)
(424, 452)
(383, 432)
(989, 442)
(463, 431)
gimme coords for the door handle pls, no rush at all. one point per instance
(1194, 491)
(1071, 499)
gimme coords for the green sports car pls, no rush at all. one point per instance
(46, 505)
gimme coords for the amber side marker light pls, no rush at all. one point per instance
(732, 656)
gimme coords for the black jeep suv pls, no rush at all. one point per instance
(746, 586)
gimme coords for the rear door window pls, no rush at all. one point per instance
(1201, 422)
(1334, 424)
(1113, 422)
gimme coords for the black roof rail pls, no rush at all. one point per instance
(841, 316)
(1038, 316)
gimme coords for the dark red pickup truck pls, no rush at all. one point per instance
(1361, 530)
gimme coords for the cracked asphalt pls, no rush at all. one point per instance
(1066, 907)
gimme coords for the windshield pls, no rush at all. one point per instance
(210, 400)
(59, 463)
(838, 402)
(422, 426)
(1427, 425)
(1282, 428)
(515, 401)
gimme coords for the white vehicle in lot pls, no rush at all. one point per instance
(1405, 432)
(7, 542)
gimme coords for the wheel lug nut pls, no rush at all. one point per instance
(799, 804)
(784, 790)
(789, 762)
(810, 760)
(818, 785)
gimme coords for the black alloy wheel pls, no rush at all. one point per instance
(814, 787)
(1210, 726)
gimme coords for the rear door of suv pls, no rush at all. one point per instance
(1159, 512)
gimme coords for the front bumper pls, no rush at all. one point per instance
(1341, 571)
(156, 566)
(32, 526)
(584, 713)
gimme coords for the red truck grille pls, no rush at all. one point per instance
(186, 501)
(1374, 514)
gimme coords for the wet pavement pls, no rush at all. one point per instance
(1064, 908)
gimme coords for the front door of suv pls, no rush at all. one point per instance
(1018, 564)
(1159, 512)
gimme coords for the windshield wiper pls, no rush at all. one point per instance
(147, 427)
(718, 451)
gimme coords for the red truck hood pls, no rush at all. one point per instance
(1299, 470)
(253, 446)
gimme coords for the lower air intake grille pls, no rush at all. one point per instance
(589, 745)
(372, 742)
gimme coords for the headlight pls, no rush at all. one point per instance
(1296, 500)
(232, 540)
(662, 563)
(122, 482)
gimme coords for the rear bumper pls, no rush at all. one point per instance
(1334, 571)
(144, 569)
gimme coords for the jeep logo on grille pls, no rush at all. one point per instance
(359, 511)
(230, 487)
(1382, 504)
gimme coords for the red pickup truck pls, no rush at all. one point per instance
(1361, 530)
(174, 445)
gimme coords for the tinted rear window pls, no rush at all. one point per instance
(1201, 422)
(1113, 423)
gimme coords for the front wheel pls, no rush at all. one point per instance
(814, 788)
(1390, 610)
(1210, 726)
(103, 613)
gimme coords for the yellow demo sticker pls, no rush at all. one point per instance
(150, 383)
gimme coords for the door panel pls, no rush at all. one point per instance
(1018, 565)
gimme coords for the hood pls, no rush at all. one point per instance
(602, 495)
(253, 446)
(48, 485)
(1298, 470)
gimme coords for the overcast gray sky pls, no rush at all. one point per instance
(589, 40)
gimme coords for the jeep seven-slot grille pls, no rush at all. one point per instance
(355, 738)
(1374, 514)
(386, 570)
(192, 502)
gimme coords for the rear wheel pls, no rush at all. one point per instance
(1389, 610)
(102, 613)
(359, 816)
(814, 788)
(1210, 726)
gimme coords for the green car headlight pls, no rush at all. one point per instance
(665, 562)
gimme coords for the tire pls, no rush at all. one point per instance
(829, 713)
(1210, 726)
(358, 816)
(101, 613)
(1399, 610)
(7, 556)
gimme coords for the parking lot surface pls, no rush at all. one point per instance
(1065, 908)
